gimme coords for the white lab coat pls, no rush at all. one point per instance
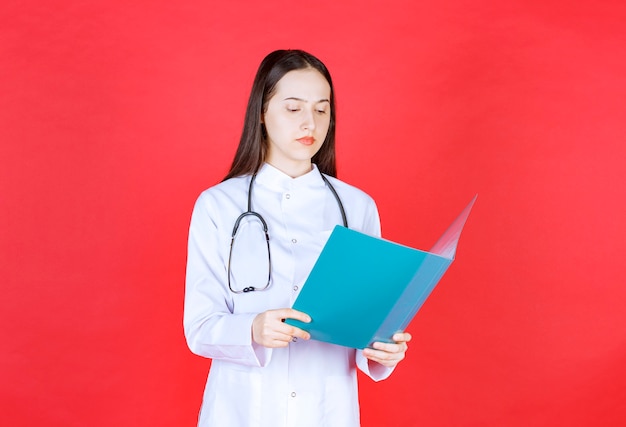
(308, 383)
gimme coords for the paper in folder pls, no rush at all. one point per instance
(364, 289)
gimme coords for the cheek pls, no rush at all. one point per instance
(272, 128)
(276, 123)
(324, 126)
(276, 131)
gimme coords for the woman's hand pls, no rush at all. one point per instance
(389, 354)
(270, 330)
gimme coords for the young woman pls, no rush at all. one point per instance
(254, 239)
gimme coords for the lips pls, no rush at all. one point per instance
(306, 140)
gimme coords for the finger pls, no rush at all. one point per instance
(402, 337)
(276, 339)
(269, 331)
(293, 331)
(284, 332)
(282, 339)
(276, 343)
(290, 313)
(382, 357)
(390, 347)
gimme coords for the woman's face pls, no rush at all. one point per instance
(297, 120)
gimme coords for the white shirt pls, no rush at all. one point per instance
(308, 383)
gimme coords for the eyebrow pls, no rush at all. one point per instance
(293, 98)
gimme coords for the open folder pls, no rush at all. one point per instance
(364, 289)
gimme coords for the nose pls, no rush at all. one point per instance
(308, 120)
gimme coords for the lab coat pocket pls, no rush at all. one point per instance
(341, 406)
(232, 398)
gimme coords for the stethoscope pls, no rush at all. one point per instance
(251, 213)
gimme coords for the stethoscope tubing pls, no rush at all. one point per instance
(250, 212)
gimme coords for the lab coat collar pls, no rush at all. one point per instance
(274, 178)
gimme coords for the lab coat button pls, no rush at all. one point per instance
(294, 339)
(287, 196)
(294, 241)
(295, 288)
(293, 394)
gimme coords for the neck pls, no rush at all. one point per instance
(293, 170)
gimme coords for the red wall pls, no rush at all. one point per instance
(114, 117)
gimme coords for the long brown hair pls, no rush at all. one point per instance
(252, 149)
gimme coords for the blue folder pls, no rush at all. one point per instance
(364, 289)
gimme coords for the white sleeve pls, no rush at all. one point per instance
(374, 370)
(211, 329)
(371, 224)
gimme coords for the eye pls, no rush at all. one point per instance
(322, 108)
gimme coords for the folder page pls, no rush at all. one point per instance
(364, 289)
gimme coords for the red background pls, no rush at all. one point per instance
(114, 116)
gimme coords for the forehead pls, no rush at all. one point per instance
(308, 84)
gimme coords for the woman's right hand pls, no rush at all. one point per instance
(270, 330)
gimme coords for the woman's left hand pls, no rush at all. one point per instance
(389, 354)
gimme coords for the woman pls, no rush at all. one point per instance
(265, 372)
